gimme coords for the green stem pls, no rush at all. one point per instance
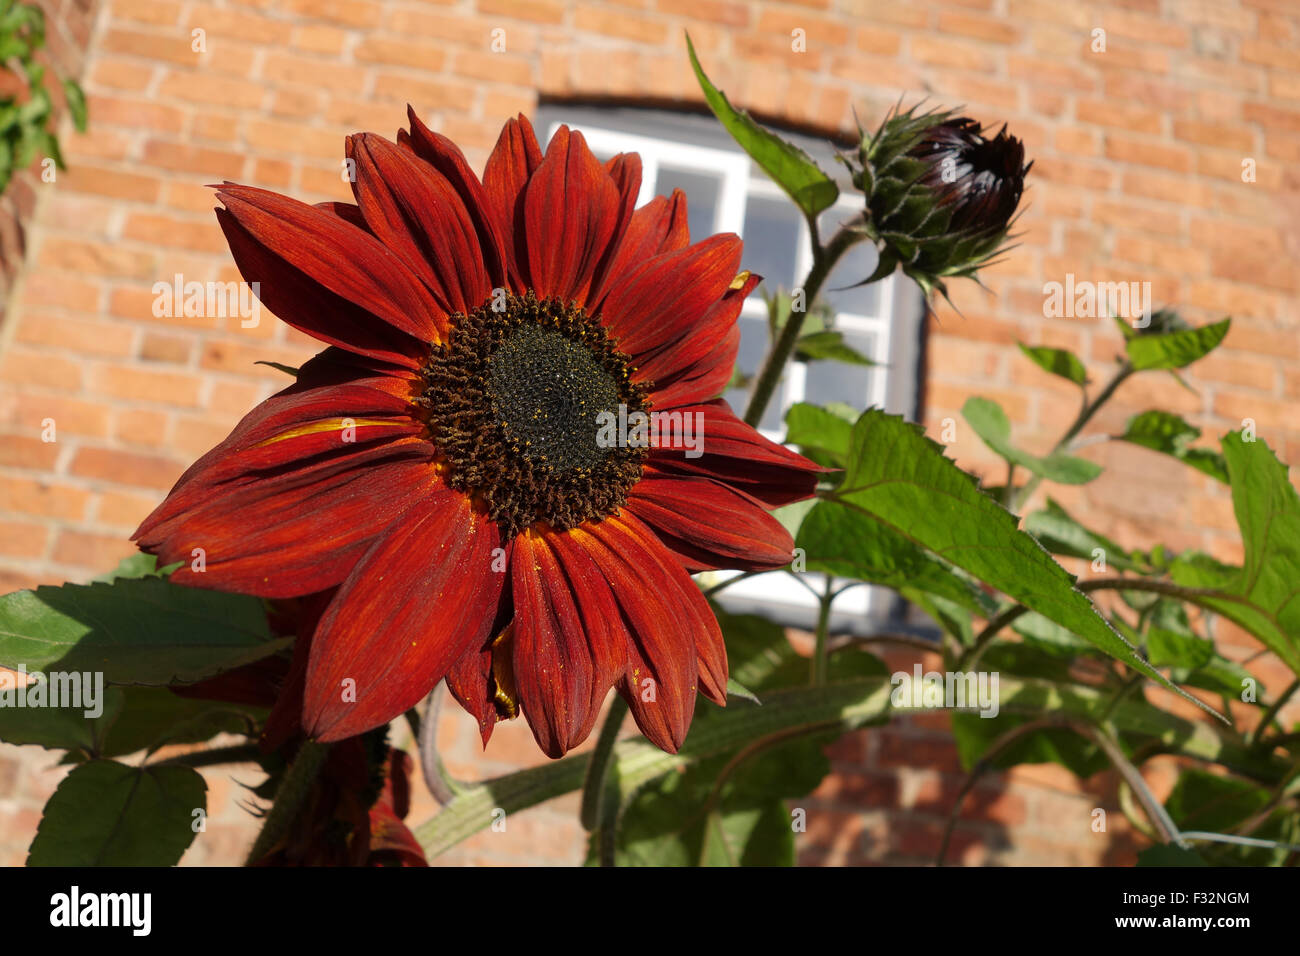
(1273, 710)
(769, 376)
(295, 786)
(1088, 410)
(723, 585)
(840, 707)
(594, 786)
(821, 657)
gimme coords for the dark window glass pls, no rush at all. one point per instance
(772, 239)
(701, 190)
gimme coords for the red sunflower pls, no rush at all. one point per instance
(441, 463)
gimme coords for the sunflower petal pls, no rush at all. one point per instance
(698, 366)
(602, 622)
(419, 215)
(710, 526)
(445, 156)
(469, 681)
(570, 212)
(422, 597)
(737, 455)
(328, 278)
(654, 594)
(289, 502)
(670, 295)
(509, 167)
(625, 170)
(552, 664)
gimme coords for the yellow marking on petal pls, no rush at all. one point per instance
(738, 283)
(325, 425)
(503, 678)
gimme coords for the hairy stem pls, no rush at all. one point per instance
(1273, 710)
(778, 355)
(441, 784)
(594, 786)
(1088, 410)
(295, 786)
(821, 653)
(840, 707)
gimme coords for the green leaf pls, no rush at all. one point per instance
(1057, 361)
(138, 565)
(76, 100)
(1061, 534)
(1169, 434)
(59, 728)
(841, 541)
(134, 631)
(1219, 675)
(739, 690)
(105, 813)
(790, 167)
(286, 369)
(151, 717)
(1176, 349)
(1171, 649)
(829, 346)
(974, 735)
(1219, 804)
(1208, 801)
(991, 424)
(844, 706)
(814, 427)
(700, 818)
(1050, 637)
(1263, 596)
(131, 719)
(903, 480)
(725, 811)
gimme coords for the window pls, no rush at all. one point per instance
(727, 192)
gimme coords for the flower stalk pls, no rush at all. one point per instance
(289, 798)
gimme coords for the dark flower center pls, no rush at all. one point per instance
(549, 390)
(515, 401)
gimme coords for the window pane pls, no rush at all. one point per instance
(841, 382)
(701, 190)
(772, 228)
(753, 346)
(854, 266)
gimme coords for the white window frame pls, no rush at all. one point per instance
(740, 179)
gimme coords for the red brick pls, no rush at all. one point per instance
(126, 468)
(26, 450)
(146, 385)
(87, 550)
(38, 498)
(122, 509)
(23, 539)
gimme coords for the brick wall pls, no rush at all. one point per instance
(1138, 154)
